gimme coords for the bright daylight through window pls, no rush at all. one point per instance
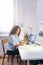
(6, 15)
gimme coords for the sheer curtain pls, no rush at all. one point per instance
(6, 15)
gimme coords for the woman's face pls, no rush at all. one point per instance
(18, 31)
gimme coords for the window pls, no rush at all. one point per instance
(6, 15)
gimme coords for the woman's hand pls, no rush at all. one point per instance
(23, 43)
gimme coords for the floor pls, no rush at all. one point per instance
(9, 63)
(14, 63)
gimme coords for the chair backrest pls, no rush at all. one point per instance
(4, 41)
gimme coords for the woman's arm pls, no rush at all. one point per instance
(20, 44)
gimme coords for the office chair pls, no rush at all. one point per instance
(9, 54)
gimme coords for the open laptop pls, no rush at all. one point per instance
(32, 38)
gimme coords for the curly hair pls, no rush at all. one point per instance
(14, 29)
(26, 37)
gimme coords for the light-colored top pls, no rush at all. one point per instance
(13, 40)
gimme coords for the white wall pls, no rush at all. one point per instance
(20, 11)
(40, 14)
(26, 13)
(30, 14)
(39, 17)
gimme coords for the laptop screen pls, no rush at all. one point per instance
(32, 38)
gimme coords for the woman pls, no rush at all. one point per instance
(14, 41)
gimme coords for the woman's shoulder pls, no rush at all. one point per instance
(11, 36)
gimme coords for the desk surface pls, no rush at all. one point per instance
(31, 52)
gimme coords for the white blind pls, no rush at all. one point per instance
(6, 15)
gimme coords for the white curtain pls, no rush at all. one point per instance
(6, 15)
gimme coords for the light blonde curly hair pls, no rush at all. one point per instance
(26, 37)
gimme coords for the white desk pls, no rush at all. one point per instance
(31, 52)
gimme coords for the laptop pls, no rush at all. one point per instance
(32, 38)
